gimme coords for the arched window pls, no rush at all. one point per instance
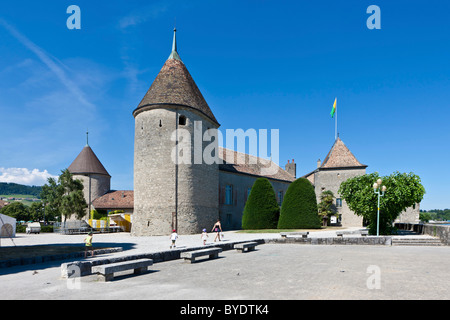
(182, 120)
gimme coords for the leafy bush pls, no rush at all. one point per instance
(299, 208)
(261, 210)
(47, 228)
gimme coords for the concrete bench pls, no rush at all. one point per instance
(190, 256)
(341, 233)
(106, 271)
(250, 246)
(293, 234)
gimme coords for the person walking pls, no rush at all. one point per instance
(88, 242)
(204, 236)
(173, 237)
(218, 229)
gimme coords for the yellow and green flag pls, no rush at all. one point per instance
(333, 111)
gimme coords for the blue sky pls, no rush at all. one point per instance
(259, 64)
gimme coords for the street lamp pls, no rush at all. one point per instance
(378, 189)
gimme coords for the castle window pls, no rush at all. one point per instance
(160, 124)
(338, 203)
(182, 120)
(280, 198)
(229, 194)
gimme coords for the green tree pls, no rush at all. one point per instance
(72, 200)
(261, 210)
(51, 197)
(325, 205)
(65, 197)
(16, 210)
(424, 216)
(299, 208)
(36, 211)
(403, 191)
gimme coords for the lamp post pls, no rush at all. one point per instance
(378, 189)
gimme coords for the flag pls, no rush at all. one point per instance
(333, 111)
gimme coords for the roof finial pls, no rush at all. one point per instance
(87, 137)
(174, 44)
(174, 54)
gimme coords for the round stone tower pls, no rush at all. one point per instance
(174, 188)
(96, 180)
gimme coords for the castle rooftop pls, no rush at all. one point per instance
(174, 85)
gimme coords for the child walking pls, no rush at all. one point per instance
(204, 236)
(173, 237)
(88, 242)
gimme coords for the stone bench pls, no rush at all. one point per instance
(293, 234)
(363, 233)
(190, 256)
(106, 271)
(250, 246)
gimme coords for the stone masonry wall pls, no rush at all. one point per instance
(156, 176)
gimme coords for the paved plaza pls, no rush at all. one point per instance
(272, 271)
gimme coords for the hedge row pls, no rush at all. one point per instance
(298, 210)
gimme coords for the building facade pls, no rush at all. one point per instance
(96, 180)
(175, 188)
(339, 165)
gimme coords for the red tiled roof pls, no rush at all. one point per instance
(120, 199)
(340, 156)
(252, 165)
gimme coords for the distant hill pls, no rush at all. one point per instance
(14, 188)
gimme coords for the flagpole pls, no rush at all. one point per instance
(335, 125)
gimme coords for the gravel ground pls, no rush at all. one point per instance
(271, 272)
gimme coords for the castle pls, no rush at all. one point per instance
(189, 196)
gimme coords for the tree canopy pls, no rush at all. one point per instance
(64, 197)
(403, 190)
(261, 210)
(299, 208)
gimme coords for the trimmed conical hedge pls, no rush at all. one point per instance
(261, 210)
(299, 208)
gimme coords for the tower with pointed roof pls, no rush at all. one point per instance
(339, 165)
(88, 168)
(169, 194)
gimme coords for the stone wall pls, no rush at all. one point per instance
(436, 230)
(161, 187)
(331, 180)
(98, 184)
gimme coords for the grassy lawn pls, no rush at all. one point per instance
(26, 199)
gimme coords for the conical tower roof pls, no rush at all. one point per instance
(340, 156)
(174, 86)
(87, 163)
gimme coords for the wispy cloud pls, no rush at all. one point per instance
(55, 66)
(136, 17)
(25, 176)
